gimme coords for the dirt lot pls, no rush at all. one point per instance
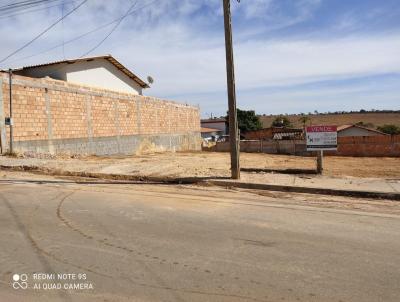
(210, 164)
(218, 164)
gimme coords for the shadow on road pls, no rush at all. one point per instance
(144, 181)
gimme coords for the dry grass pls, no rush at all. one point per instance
(377, 119)
(218, 164)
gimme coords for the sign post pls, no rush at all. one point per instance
(320, 138)
(320, 158)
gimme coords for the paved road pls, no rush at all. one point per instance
(174, 243)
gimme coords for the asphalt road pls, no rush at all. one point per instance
(122, 242)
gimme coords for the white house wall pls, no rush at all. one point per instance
(101, 73)
(98, 73)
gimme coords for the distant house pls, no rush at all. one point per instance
(103, 72)
(210, 133)
(276, 133)
(216, 123)
(355, 130)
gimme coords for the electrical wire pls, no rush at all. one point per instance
(22, 3)
(19, 6)
(84, 34)
(43, 32)
(111, 31)
(119, 20)
(66, 42)
(27, 11)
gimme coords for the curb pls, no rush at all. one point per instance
(294, 189)
(280, 171)
(195, 180)
(107, 176)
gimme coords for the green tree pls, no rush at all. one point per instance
(248, 120)
(304, 119)
(281, 121)
(389, 129)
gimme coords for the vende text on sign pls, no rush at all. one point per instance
(321, 138)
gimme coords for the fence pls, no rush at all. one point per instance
(58, 117)
(347, 146)
(379, 145)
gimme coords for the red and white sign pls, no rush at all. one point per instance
(321, 138)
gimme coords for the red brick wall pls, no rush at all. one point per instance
(259, 134)
(369, 145)
(374, 146)
(74, 111)
(29, 112)
(68, 114)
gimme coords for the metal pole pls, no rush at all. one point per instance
(320, 159)
(234, 139)
(11, 122)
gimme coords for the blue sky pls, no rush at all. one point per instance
(291, 56)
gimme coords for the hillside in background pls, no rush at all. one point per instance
(374, 119)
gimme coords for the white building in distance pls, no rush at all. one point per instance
(103, 72)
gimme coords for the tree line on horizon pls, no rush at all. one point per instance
(316, 112)
(248, 121)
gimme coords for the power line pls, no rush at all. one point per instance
(66, 42)
(27, 11)
(119, 20)
(85, 34)
(112, 30)
(22, 3)
(19, 6)
(43, 32)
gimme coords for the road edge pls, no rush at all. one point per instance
(309, 190)
(224, 182)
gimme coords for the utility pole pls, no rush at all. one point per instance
(234, 139)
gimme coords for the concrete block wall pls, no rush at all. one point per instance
(375, 146)
(297, 147)
(59, 117)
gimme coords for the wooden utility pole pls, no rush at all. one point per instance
(234, 139)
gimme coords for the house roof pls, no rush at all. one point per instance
(344, 127)
(209, 130)
(109, 58)
(215, 120)
(286, 130)
(277, 130)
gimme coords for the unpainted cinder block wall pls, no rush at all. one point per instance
(377, 145)
(363, 146)
(52, 116)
